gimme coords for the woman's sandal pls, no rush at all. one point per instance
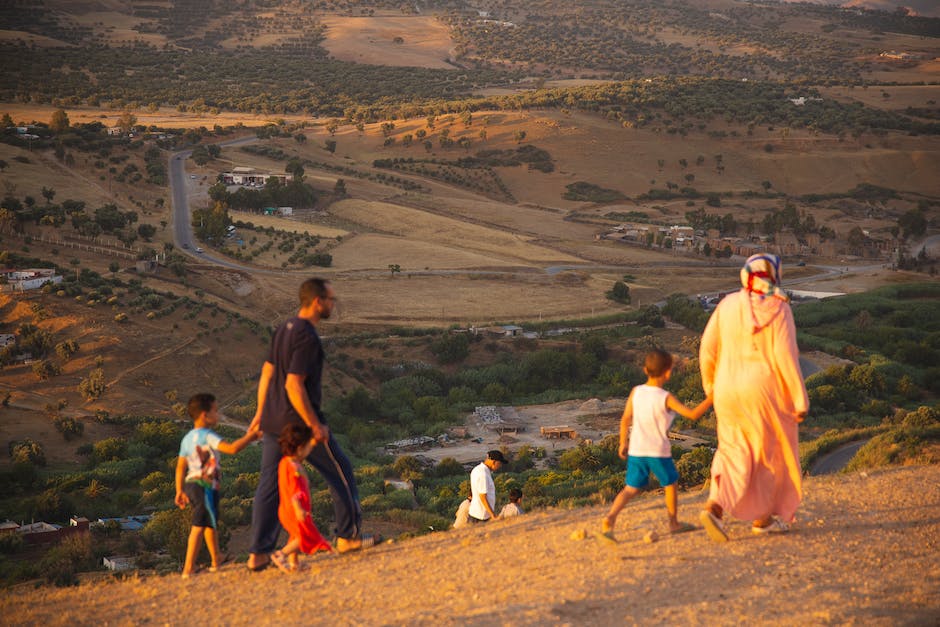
(714, 526)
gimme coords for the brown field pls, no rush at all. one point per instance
(44, 171)
(892, 72)
(427, 41)
(900, 96)
(118, 28)
(920, 7)
(670, 36)
(503, 247)
(287, 224)
(164, 117)
(32, 39)
(469, 300)
(376, 252)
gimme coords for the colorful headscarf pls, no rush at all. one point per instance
(760, 277)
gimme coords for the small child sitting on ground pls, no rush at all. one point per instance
(650, 409)
(513, 507)
(293, 487)
(198, 463)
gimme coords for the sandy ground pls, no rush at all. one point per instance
(863, 552)
(592, 420)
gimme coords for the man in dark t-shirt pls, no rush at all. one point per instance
(289, 391)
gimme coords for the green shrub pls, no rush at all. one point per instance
(60, 564)
(695, 466)
(69, 427)
(589, 192)
(898, 446)
(27, 452)
(109, 449)
(451, 348)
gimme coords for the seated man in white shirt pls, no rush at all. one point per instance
(482, 488)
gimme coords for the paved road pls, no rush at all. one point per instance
(836, 460)
(182, 214)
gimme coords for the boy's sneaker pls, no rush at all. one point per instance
(776, 526)
(714, 527)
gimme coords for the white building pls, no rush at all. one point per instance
(29, 279)
(250, 176)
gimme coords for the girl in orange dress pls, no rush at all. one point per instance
(294, 491)
(750, 366)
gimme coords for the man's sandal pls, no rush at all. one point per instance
(347, 545)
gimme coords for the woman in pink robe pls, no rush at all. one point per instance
(750, 365)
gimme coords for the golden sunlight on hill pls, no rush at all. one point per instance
(863, 551)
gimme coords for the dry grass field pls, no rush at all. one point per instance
(500, 246)
(920, 7)
(32, 39)
(890, 97)
(287, 224)
(163, 117)
(425, 41)
(42, 170)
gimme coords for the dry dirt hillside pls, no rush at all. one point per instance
(864, 552)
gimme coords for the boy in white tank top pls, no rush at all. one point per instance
(647, 450)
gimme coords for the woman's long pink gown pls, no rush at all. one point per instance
(758, 392)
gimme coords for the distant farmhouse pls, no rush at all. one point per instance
(43, 532)
(29, 279)
(252, 177)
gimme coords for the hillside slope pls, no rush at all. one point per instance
(865, 551)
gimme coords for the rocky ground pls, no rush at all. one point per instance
(864, 551)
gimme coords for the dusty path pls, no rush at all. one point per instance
(864, 552)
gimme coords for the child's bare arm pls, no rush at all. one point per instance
(181, 499)
(230, 448)
(625, 421)
(692, 414)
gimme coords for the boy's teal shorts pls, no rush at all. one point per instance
(640, 468)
